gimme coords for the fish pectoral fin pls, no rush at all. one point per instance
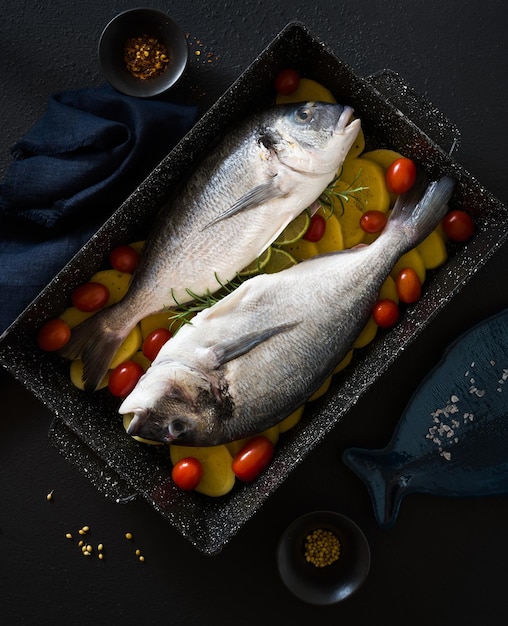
(229, 350)
(254, 197)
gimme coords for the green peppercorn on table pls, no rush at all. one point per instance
(70, 556)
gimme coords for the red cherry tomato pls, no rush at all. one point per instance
(287, 81)
(187, 473)
(154, 342)
(124, 259)
(409, 286)
(458, 225)
(252, 458)
(124, 378)
(386, 313)
(373, 221)
(316, 228)
(90, 296)
(53, 335)
(401, 175)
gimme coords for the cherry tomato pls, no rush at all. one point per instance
(316, 228)
(401, 175)
(287, 81)
(154, 342)
(373, 221)
(124, 378)
(53, 335)
(458, 225)
(386, 313)
(187, 473)
(409, 286)
(252, 458)
(90, 296)
(124, 259)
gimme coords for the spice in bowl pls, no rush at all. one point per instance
(145, 57)
(322, 547)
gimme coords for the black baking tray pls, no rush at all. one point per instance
(87, 428)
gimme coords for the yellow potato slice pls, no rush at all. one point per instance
(362, 172)
(348, 212)
(382, 157)
(367, 335)
(322, 390)
(116, 282)
(433, 250)
(332, 240)
(358, 147)
(411, 259)
(152, 322)
(130, 345)
(73, 316)
(389, 290)
(138, 245)
(344, 363)
(308, 91)
(218, 477)
(271, 433)
(291, 420)
(302, 249)
(140, 358)
(76, 375)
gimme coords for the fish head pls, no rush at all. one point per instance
(314, 137)
(173, 403)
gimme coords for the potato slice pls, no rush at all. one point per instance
(333, 239)
(152, 322)
(433, 250)
(218, 477)
(76, 375)
(130, 345)
(271, 433)
(362, 172)
(322, 390)
(302, 249)
(411, 259)
(116, 282)
(367, 335)
(291, 420)
(389, 290)
(73, 316)
(344, 363)
(348, 213)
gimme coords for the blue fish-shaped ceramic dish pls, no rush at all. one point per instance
(452, 439)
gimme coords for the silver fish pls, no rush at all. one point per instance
(236, 202)
(254, 357)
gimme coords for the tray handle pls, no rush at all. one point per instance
(417, 108)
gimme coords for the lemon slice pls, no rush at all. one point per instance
(279, 260)
(258, 264)
(295, 230)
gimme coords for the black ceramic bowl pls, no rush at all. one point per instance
(136, 23)
(330, 583)
(87, 428)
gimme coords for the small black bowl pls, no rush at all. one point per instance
(331, 583)
(138, 23)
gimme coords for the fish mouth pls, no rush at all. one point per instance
(344, 120)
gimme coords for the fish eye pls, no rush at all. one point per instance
(177, 428)
(303, 115)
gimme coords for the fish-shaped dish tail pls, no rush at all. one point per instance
(452, 439)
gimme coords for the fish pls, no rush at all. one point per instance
(228, 211)
(255, 356)
(452, 437)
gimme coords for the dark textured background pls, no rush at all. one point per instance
(444, 562)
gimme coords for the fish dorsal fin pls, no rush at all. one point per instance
(262, 193)
(228, 350)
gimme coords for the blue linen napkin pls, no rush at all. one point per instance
(86, 154)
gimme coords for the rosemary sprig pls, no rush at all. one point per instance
(326, 199)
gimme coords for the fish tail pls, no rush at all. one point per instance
(419, 211)
(96, 346)
(385, 488)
